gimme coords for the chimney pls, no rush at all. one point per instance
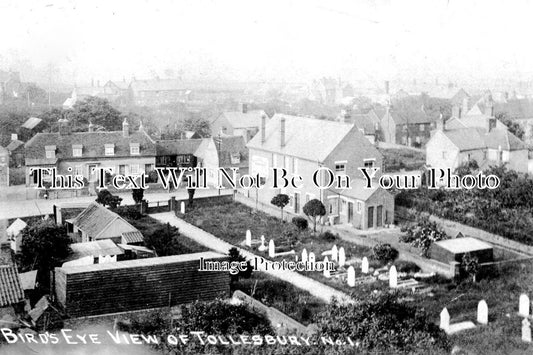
(263, 127)
(14, 137)
(244, 108)
(440, 123)
(125, 128)
(91, 127)
(491, 122)
(489, 109)
(387, 87)
(282, 132)
(141, 127)
(466, 103)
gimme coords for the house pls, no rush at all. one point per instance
(225, 152)
(14, 234)
(177, 153)
(407, 126)
(487, 145)
(101, 251)
(16, 151)
(157, 92)
(139, 284)
(97, 222)
(117, 92)
(4, 166)
(124, 152)
(302, 146)
(80, 93)
(244, 123)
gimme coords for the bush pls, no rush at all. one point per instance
(300, 223)
(328, 236)
(407, 267)
(385, 253)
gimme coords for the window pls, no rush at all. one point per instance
(369, 163)
(134, 169)
(330, 208)
(359, 207)
(484, 155)
(287, 164)
(50, 151)
(343, 206)
(78, 170)
(422, 127)
(134, 149)
(76, 150)
(340, 168)
(109, 149)
(235, 158)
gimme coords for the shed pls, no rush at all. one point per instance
(454, 249)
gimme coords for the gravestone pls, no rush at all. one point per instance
(311, 257)
(393, 277)
(523, 307)
(444, 319)
(304, 255)
(327, 273)
(271, 248)
(351, 276)
(342, 257)
(526, 330)
(482, 312)
(364, 265)
(248, 238)
(262, 247)
(334, 254)
(182, 207)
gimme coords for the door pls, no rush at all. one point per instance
(296, 202)
(370, 218)
(379, 216)
(350, 212)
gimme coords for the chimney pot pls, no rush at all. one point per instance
(125, 128)
(14, 137)
(91, 127)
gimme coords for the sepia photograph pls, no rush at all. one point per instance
(276, 177)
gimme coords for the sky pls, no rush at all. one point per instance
(274, 40)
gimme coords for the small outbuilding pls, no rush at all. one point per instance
(450, 250)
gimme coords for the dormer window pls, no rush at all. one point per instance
(50, 151)
(134, 149)
(77, 150)
(109, 149)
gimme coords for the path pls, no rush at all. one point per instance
(314, 287)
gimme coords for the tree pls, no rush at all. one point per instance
(280, 200)
(44, 246)
(198, 125)
(383, 325)
(513, 126)
(97, 111)
(164, 241)
(422, 233)
(235, 256)
(106, 198)
(470, 265)
(138, 195)
(314, 209)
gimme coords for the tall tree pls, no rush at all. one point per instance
(98, 111)
(314, 209)
(280, 200)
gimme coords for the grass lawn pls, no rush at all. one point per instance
(283, 296)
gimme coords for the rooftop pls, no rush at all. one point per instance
(11, 291)
(463, 245)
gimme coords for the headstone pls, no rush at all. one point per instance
(393, 277)
(271, 248)
(304, 255)
(342, 257)
(326, 269)
(523, 307)
(364, 265)
(444, 319)
(334, 253)
(182, 207)
(526, 331)
(262, 247)
(482, 312)
(248, 238)
(351, 276)
(311, 257)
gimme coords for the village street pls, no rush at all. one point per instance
(315, 288)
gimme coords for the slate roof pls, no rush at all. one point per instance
(472, 138)
(231, 146)
(363, 121)
(132, 237)
(305, 138)
(177, 146)
(93, 145)
(502, 137)
(14, 144)
(250, 119)
(11, 291)
(95, 218)
(95, 248)
(31, 122)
